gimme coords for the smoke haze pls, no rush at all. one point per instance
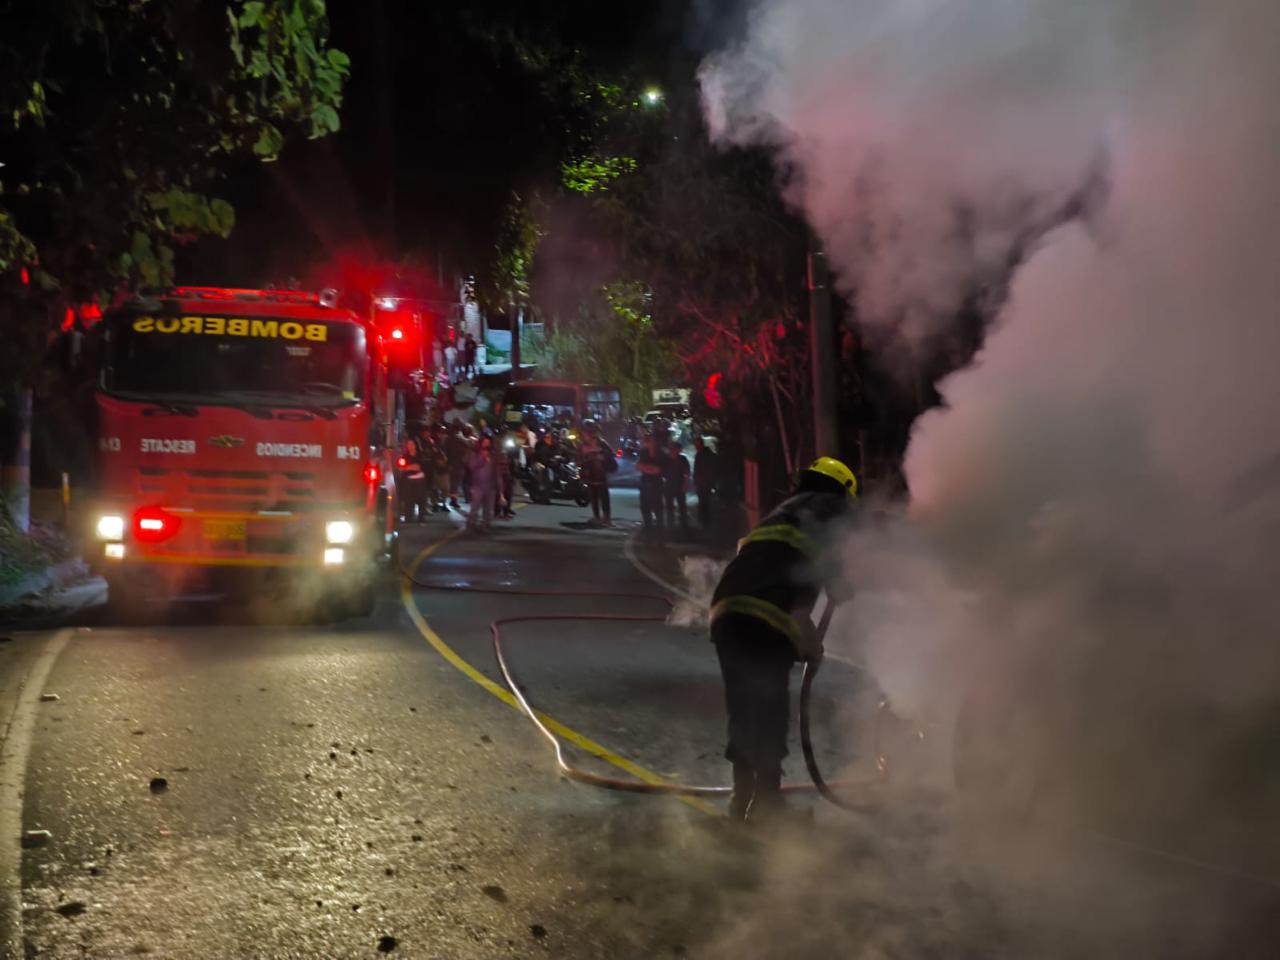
(1095, 519)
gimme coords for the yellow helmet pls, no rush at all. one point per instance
(837, 471)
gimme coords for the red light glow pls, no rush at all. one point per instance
(372, 473)
(397, 334)
(154, 524)
(712, 392)
(402, 462)
(26, 276)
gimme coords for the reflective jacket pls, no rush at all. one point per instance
(780, 568)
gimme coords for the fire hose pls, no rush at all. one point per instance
(823, 787)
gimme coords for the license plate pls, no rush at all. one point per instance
(224, 530)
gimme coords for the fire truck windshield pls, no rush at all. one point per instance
(225, 359)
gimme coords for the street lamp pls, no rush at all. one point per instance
(652, 97)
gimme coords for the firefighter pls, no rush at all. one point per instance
(760, 625)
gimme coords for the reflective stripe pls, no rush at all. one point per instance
(781, 533)
(770, 613)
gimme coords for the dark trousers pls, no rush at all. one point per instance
(704, 506)
(651, 502)
(599, 495)
(676, 502)
(503, 496)
(413, 498)
(755, 663)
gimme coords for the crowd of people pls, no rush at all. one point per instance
(445, 464)
(666, 477)
(457, 361)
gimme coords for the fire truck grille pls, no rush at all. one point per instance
(229, 490)
(213, 490)
(272, 545)
(229, 474)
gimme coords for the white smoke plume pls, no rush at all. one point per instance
(1095, 518)
(693, 603)
(926, 140)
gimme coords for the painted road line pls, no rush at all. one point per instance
(629, 551)
(14, 750)
(471, 673)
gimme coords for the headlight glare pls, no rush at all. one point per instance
(339, 531)
(110, 527)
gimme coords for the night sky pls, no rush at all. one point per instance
(438, 127)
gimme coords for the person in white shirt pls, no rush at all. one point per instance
(451, 362)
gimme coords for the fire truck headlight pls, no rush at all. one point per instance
(333, 556)
(339, 531)
(110, 527)
(114, 551)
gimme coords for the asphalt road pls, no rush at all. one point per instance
(360, 788)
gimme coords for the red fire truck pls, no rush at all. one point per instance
(239, 430)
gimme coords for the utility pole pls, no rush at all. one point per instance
(822, 354)
(517, 328)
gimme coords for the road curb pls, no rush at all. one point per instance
(16, 734)
(53, 577)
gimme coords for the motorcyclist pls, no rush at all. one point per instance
(760, 625)
(545, 452)
(528, 442)
(544, 465)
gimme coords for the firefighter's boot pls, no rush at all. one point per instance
(744, 785)
(766, 801)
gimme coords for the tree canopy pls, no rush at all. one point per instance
(117, 119)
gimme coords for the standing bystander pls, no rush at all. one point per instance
(650, 463)
(595, 457)
(469, 351)
(706, 469)
(455, 449)
(484, 484)
(675, 486)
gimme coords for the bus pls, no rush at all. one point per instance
(544, 402)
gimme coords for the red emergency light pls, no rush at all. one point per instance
(87, 313)
(712, 391)
(402, 463)
(397, 334)
(154, 524)
(372, 473)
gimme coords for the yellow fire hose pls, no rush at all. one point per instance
(824, 788)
